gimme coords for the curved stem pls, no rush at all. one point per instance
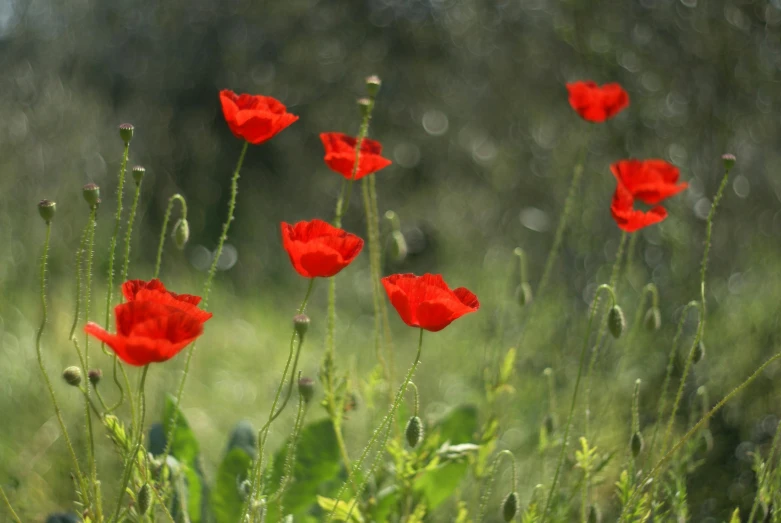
(655, 470)
(132, 458)
(164, 230)
(381, 448)
(568, 425)
(492, 478)
(572, 193)
(416, 398)
(290, 458)
(8, 506)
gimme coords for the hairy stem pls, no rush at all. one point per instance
(164, 229)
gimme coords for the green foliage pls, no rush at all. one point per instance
(226, 497)
(184, 447)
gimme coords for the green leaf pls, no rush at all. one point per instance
(458, 426)
(317, 464)
(226, 502)
(507, 367)
(185, 448)
(342, 508)
(436, 484)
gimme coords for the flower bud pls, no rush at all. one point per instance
(414, 431)
(95, 376)
(306, 388)
(636, 444)
(47, 209)
(729, 161)
(510, 506)
(699, 352)
(398, 246)
(373, 84)
(144, 498)
(72, 375)
(301, 324)
(181, 233)
(126, 132)
(653, 319)
(138, 174)
(548, 424)
(615, 321)
(523, 294)
(91, 194)
(594, 515)
(365, 105)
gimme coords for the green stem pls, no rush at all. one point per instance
(129, 231)
(39, 355)
(572, 194)
(765, 472)
(389, 419)
(164, 229)
(492, 479)
(290, 458)
(132, 458)
(377, 276)
(8, 506)
(651, 476)
(708, 234)
(274, 412)
(568, 425)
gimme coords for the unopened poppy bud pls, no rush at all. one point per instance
(729, 160)
(653, 319)
(365, 105)
(548, 424)
(138, 174)
(306, 388)
(301, 324)
(414, 431)
(636, 444)
(72, 376)
(373, 84)
(126, 132)
(91, 194)
(510, 506)
(615, 321)
(95, 376)
(523, 294)
(699, 352)
(47, 209)
(706, 441)
(144, 498)
(181, 233)
(594, 515)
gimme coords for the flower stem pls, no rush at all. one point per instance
(8, 506)
(132, 458)
(572, 193)
(164, 229)
(765, 472)
(568, 425)
(492, 478)
(385, 425)
(129, 231)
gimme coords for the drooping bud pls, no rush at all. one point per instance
(126, 132)
(301, 324)
(414, 431)
(729, 161)
(653, 319)
(95, 375)
(594, 515)
(47, 208)
(306, 388)
(373, 84)
(91, 194)
(616, 321)
(144, 498)
(72, 376)
(365, 105)
(181, 233)
(699, 352)
(398, 246)
(523, 294)
(636, 444)
(138, 174)
(510, 506)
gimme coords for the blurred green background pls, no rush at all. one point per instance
(473, 112)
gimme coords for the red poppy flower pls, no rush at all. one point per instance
(131, 288)
(254, 118)
(426, 301)
(152, 327)
(318, 249)
(649, 181)
(627, 217)
(596, 103)
(340, 155)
